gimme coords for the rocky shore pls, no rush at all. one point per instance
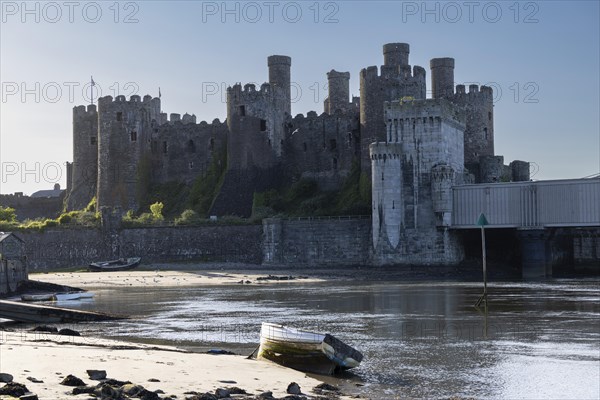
(45, 365)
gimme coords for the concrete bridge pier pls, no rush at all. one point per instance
(535, 254)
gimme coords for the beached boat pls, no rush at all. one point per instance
(57, 296)
(122, 264)
(306, 351)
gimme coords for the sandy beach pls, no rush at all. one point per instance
(160, 276)
(50, 358)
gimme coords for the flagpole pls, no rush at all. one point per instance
(92, 89)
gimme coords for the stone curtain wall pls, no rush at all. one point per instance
(332, 241)
(63, 248)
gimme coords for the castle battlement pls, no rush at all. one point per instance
(249, 89)
(427, 111)
(475, 90)
(393, 71)
(81, 111)
(133, 99)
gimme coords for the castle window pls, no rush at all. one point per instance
(93, 140)
(485, 135)
(191, 164)
(211, 144)
(304, 146)
(154, 147)
(119, 116)
(382, 176)
(165, 147)
(332, 144)
(334, 163)
(242, 111)
(349, 139)
(490, 115)
(263, 125)
(133, 136)
(191, 146)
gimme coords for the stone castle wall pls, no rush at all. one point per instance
(60, 248)
(316, 242)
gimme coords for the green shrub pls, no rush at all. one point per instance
(156, 210)
(188, 217)
(7, 214)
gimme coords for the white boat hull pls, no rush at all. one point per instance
(306, 351)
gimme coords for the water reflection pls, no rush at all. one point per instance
(420, 340)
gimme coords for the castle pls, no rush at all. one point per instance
(414, 148)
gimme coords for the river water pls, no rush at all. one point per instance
(419, 340)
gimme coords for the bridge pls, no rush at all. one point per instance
(528, 205)
(535, 209)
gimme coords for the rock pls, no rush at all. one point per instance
(96, 374)
(153, 380)
(14, 389)
(266, 395)
(105, 391)
(222, 393)
(6, 378)
(29, 396)
(45, 328)
(293, 388)
(220, 351)
(236, 390)
(72, 380)
(68, 332)
(324, 388)
(132, 390)
(248, 282)
(113, 382)
(34, 380)
(148, 395)
(83, 389)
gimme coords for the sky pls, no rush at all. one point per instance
(540, 57)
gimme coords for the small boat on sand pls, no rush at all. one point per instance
(122, 264)
(57, 296)
(306, 351)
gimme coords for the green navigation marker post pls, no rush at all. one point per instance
(482, 222)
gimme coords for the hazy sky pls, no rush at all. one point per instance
(541, 58)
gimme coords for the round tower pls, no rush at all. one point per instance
(339, 91)
(279, 78)
(386, 180)
(395, 54)
(442, 77)
(85, 157)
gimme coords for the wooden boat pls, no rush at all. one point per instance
(57, 296)
(24, 312)
(122, 264)
(306, 351)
